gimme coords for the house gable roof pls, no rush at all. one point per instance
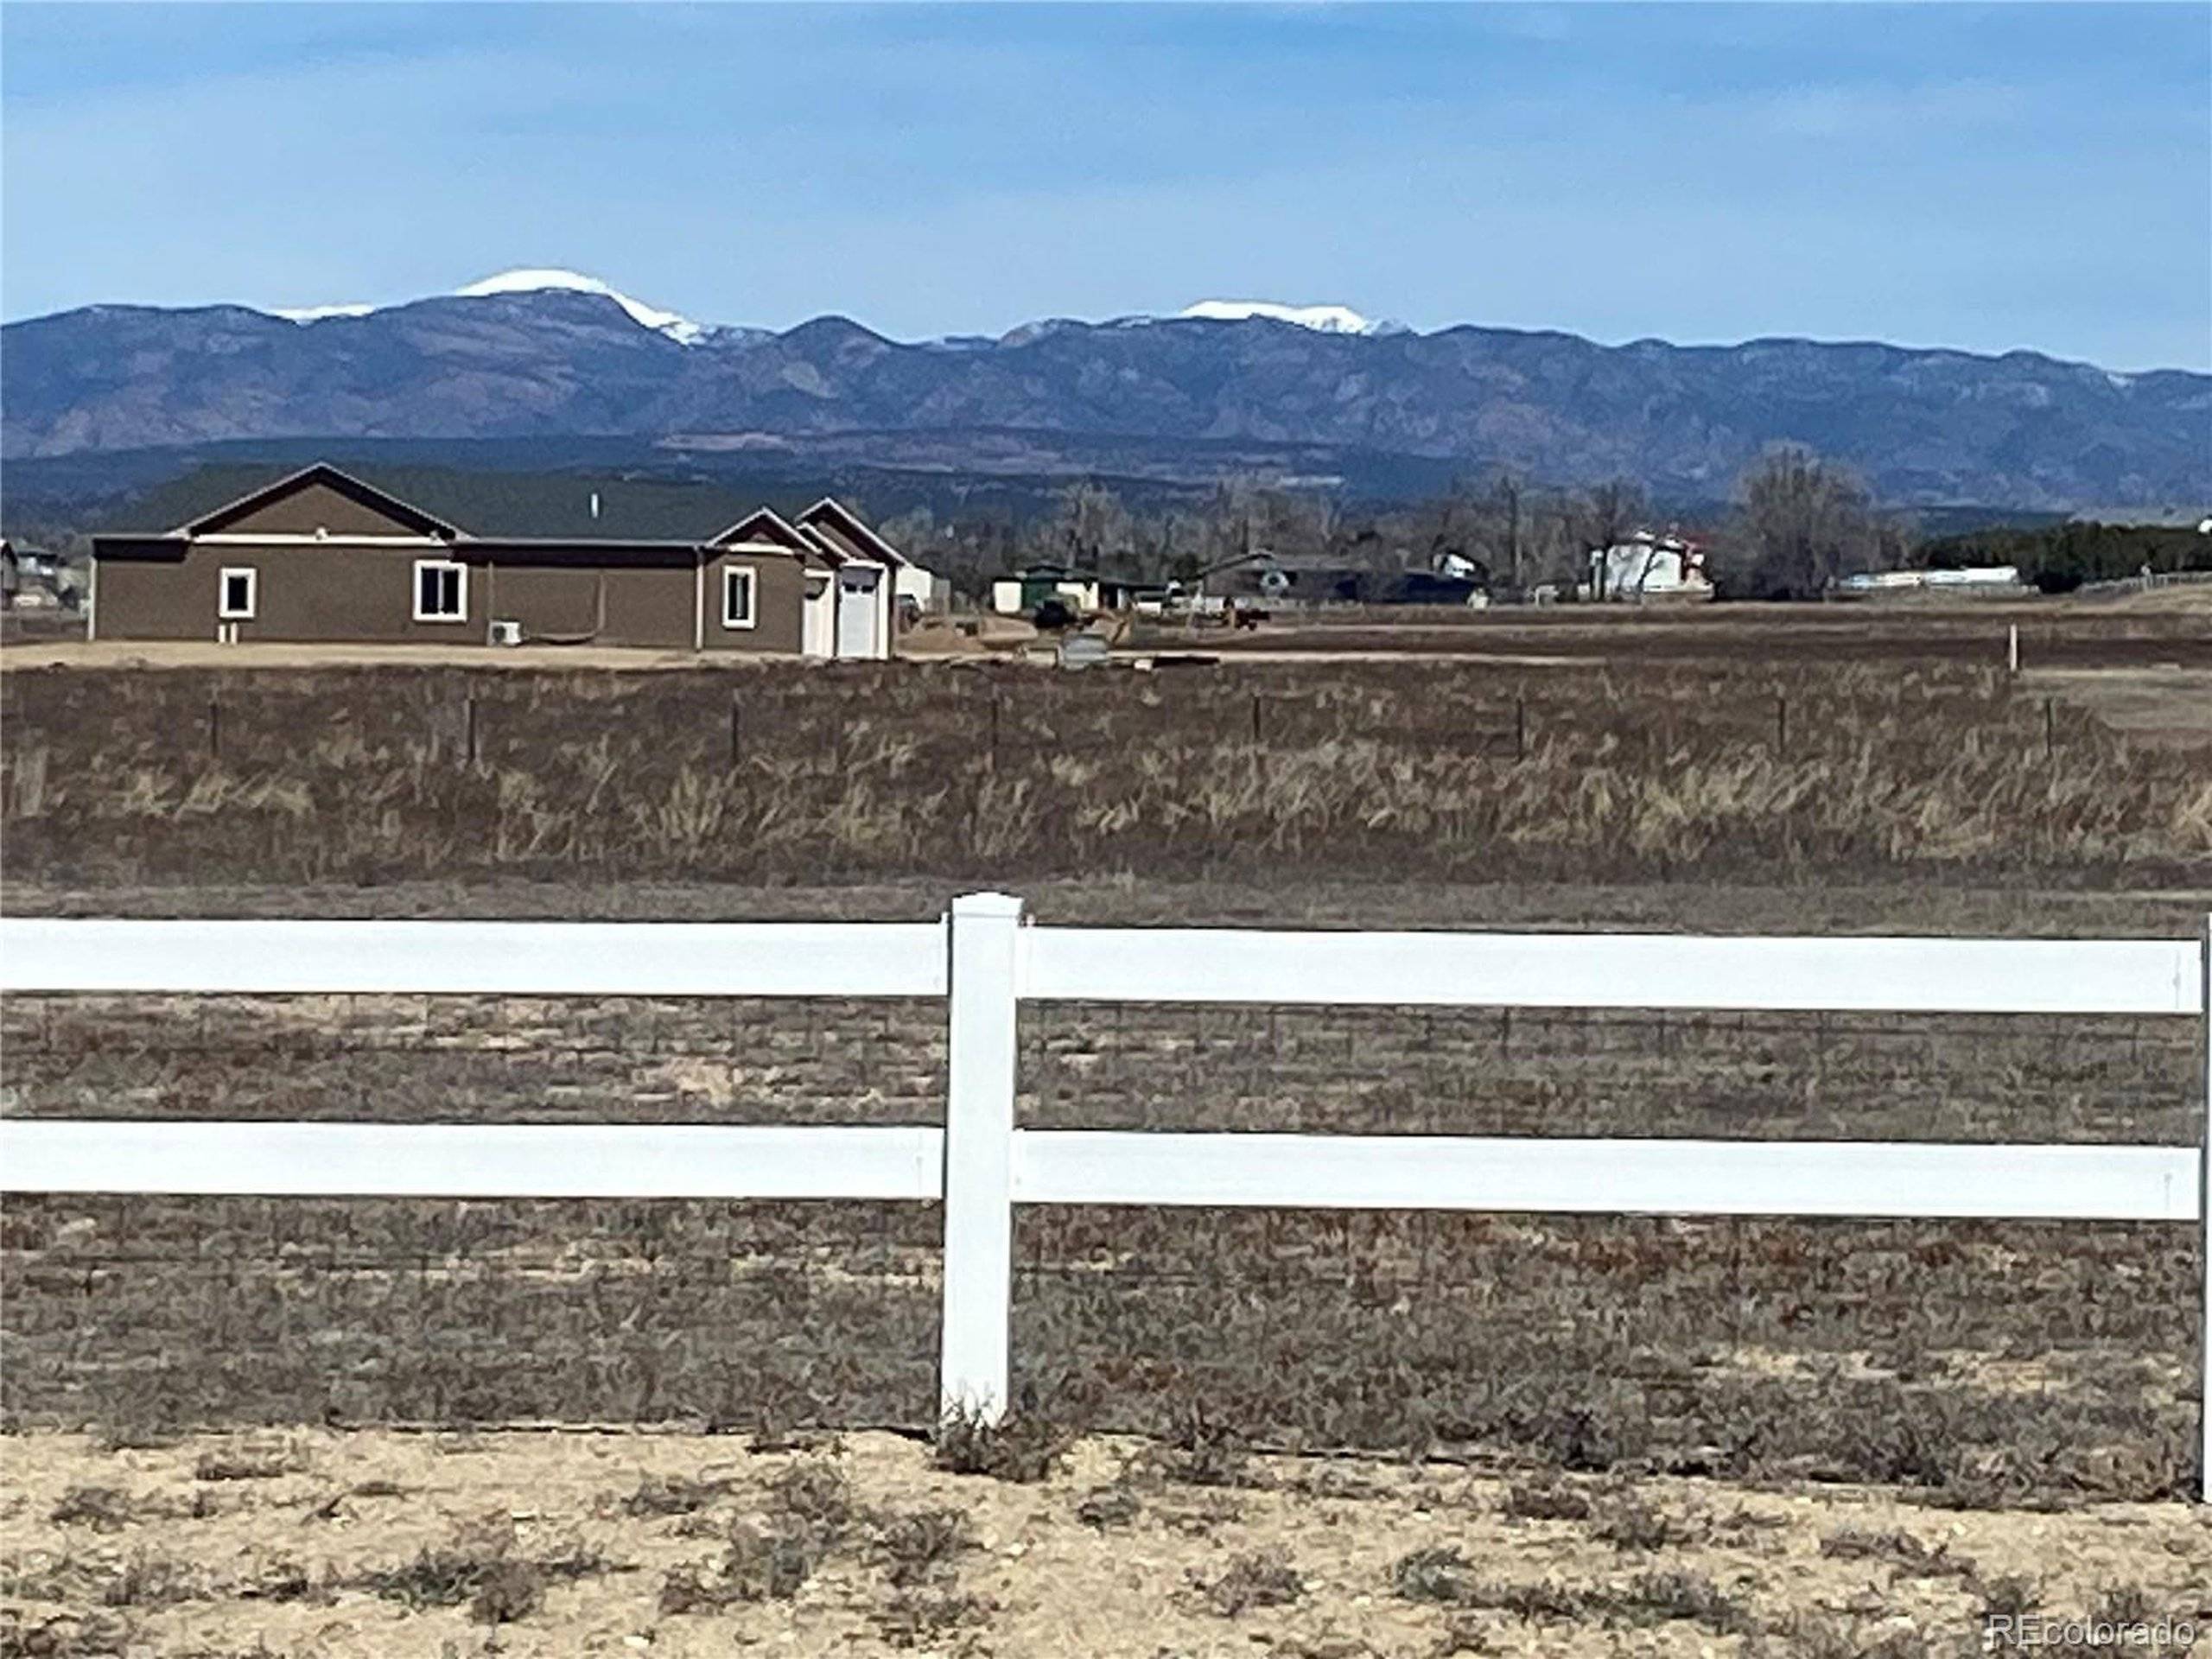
(841, 521)
(324, 475)
(765, 525)
(836, 552)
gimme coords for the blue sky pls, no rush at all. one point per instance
(1980, 177)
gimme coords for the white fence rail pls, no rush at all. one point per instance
(471, 1161)
(986, 961)
(477, 958)
(1662, 1177)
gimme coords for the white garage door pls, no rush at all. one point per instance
(858, 627)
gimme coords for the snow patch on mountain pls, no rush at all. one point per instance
(1322, 319)
(317, 312)
(676, 327)
(538, 279)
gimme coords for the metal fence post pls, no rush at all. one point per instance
(979, 1156)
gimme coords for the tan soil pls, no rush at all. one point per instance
(1052, 1584)
(929, 643)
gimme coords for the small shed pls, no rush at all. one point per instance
(1084, 592)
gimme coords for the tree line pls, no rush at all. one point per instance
(2058, 558)
(1796, 523)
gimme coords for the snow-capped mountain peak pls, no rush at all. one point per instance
(677, 327)
(1322, 319)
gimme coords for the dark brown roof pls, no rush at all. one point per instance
(484, 501)
(516, 514)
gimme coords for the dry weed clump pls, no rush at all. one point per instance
(151, 1578)
(1203, 1448)
(809, 1515)
(1108, 1507)
(664, 1495)
(1255, 1579)
(811, 1521)
(1438, 1573)
(910, 1619)
(816, 1499)
(923, 1546)
(1528, 1502)
(480, 1567)
(1899, 1549)
(1443, 1576)
(103, 1509)
(1021, 1447)
(246, 1461)
(74, 1634)
(1628, 1523)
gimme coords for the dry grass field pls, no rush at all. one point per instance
(1977, 1364)
(1616, 773)
(1638, 1435)
(2138, 629)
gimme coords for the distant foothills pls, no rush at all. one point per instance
(538, 370)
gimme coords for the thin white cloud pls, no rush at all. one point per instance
(1866, 111)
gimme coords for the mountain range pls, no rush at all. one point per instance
(1246, 385)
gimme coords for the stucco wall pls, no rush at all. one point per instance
(779, 592)
(354, 591)
(341, 593)
(316, 507)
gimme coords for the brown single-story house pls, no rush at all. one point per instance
(320, 556)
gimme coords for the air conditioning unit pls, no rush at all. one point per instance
(506, 633)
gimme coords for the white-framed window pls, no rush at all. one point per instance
(441, 591)
(737, 597)
(237, 591)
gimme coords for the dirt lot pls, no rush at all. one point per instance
(2168, 630)
(375, 1544)
(2144, 631)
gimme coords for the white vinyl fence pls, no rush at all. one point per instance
(985, 961)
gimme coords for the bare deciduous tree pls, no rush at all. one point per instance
(1605, 515)
(1092, 527)
(1800, 522)
(1504, 506)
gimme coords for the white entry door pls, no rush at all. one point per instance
(859, 626)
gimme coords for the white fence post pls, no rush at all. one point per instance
(2204, 1213)
(979, 1156)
